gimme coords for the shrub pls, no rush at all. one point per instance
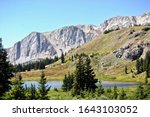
(146, 29)
(108, 31)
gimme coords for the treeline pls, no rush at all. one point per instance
(34, 65)
(143, 65)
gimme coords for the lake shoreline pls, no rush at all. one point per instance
(106, 84)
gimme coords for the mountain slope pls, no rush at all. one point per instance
(49, 44)
(103, 54)
(104, 51)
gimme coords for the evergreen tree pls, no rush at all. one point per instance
(142, 65)
(100, 89)
(140, 92)
(147, 74)
(138, 66)
(43, 88)
(122, 95)
(72, 58)
(79, 82)
(17, 92)
(31, 93)
(19, 68)
(146, 80)
(41, 65)
(89, 76)
(65, 83)
(46, 61)
(62, 57)
(147, 90)
(84, 77)
(115, 93)
(126, 70)
(108, 90)
(55, 59)
(68, 82)
(148, 71)
(5, 71)
(147, 64)
(109, 93)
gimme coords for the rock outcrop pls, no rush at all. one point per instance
(131, 53)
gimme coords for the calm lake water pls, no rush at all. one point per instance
(109, 84)
(105, 84)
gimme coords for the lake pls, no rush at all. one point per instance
(105, 84)
(109, 84)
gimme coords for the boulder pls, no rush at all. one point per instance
(131, 53)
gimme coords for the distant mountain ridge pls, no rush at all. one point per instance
(49, 44)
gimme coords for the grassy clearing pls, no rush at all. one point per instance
(38, 78)
(53, 72)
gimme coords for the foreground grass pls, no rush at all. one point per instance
(60, 95)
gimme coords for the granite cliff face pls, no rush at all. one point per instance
(33, 47)
(38, 46)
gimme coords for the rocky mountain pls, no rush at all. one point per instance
(38, 46)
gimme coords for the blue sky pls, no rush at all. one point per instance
(18, 18)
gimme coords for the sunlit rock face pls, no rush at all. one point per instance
(37, 46)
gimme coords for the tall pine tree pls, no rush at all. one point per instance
(147, 64)
(139, 94)
(115, 93)
(5, 71)
(79, 83)
(84, 77)
(100, 89)
(126, 70)
(138, 65)
(122, 95)
(17, 92)
(43, 88)
(68, 82)
(89, 76)
(62, 57)
(31, 92)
